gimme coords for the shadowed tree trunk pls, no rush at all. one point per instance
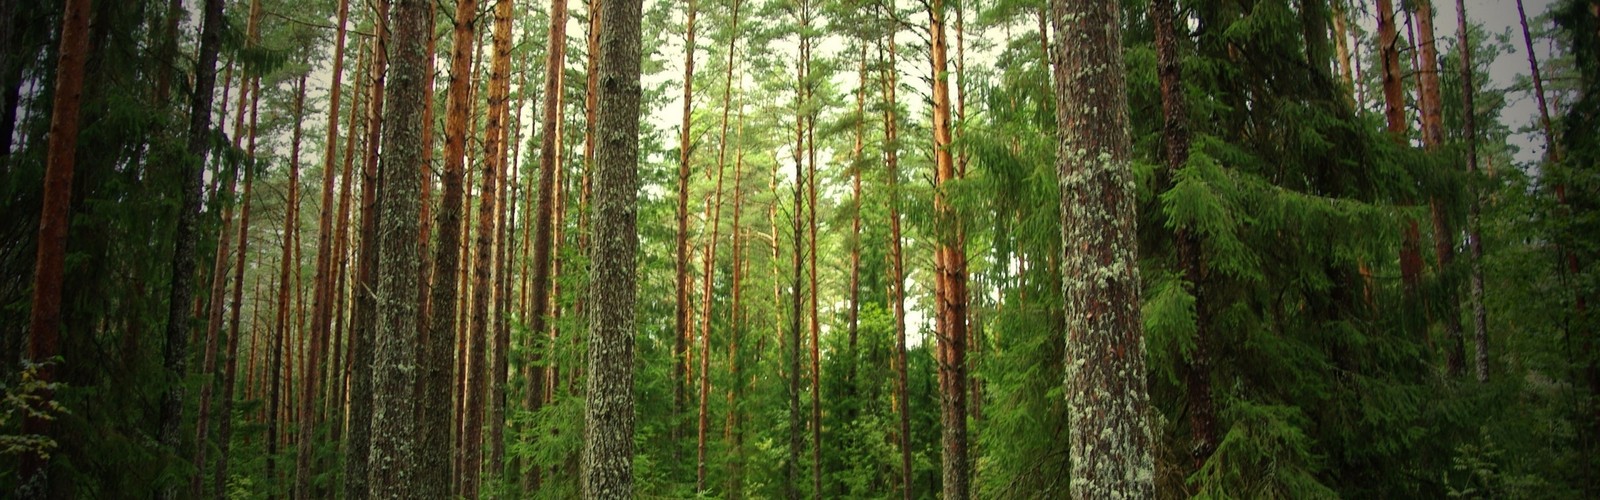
(44, 320)
(231, 363)
(1175, 132)
(1105, 356)
(363, 331)
(544, 215)
(187, 234)
(1432, 113)
(607, 470)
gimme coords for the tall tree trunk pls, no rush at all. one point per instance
(1469, 126)
(219, 287)
(499, 78)
(950, 276)
(499, 363)
(438, 348)
(219, 280)
(810, 114)
(544, 216)
(464, 310)
(44, 320)
(394, 372)
(1105, 357)
(363, 332)
(281, 373)
(856, 161)
(1395, 113)
(495, 151)
(231, 363)
(1341, 44)
(680, 347)
(714, 220)
(187, 235)
(1432, 113)
(1175, 129)
(1389, 64)
(355, 121)
(322, 309)
(591, 107)
(1552, 147)
(607, 470)
(733, 434)
(891, 141)
(796, 292)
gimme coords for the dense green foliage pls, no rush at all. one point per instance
(1327, 372)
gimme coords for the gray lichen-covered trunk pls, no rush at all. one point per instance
(607, 470)
(1106, 399)
(394, 371)
(357, 460)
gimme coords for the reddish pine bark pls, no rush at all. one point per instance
(680, 349)
(50, 261)
(441, 338)
(950, 278)
(714, 219)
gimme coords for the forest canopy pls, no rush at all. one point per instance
(799, 248)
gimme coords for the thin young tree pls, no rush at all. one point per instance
(607, 466)
(680, 347)
(44, 321)
(714, 220)
(891, 153)
(322, 308)
(290, 261)
(394, 370)
(363, 331)
(1469, 128)
(1109, 437)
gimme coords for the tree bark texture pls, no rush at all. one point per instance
(44, 318)
(437, 413)
(394, 373)
(1105, 357)
(607, 470)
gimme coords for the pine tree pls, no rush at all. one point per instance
(394, 371)
(437, 412)
(45, 315)
(607, 467)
